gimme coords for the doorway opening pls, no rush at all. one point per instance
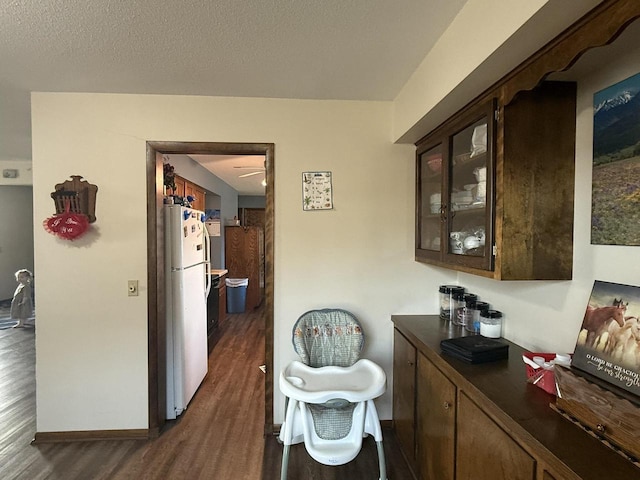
(156, 270)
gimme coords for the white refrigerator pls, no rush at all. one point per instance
(188, 285)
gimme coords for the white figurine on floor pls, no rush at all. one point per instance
(22, 304)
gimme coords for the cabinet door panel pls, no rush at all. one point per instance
(244, 257)
(429, 208)
(455, 191)
(436, 416)
(404, 369)
(222, 300)
(484, 450)
(179, 190)
(469, 190)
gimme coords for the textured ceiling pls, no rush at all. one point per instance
(244, 173)
(328, 49)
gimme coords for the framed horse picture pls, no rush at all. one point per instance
(608, 345)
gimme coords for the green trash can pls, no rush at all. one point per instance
(236, 294)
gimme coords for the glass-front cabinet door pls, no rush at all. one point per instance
(454, 194)
(431, 221)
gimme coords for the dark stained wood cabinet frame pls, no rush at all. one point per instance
(530, 182)
(443, 137)
(404, 399)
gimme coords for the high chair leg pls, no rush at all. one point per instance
(381, 461)
(285, 462)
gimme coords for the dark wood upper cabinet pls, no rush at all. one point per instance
(501, 205)
(530, 124)
(534, 201)
(454, 201)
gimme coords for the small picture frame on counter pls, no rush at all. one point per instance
(607, 345)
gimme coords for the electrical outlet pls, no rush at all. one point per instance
(132, 286)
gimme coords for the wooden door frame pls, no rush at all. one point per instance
(156, 270)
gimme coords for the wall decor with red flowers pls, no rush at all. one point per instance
(75, 207)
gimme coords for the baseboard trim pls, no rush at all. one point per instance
(91, 436)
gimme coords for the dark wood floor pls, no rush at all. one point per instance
(220, 436)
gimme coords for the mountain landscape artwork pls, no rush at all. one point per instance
(615, 199)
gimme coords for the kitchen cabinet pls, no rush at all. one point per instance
(179, 183)
(244, 258)
(404, 367)
(482, 446)
(197, 192)
(435, 422)
(530, 162)
(494, 187)
(216, 311)
(530, 165)
(454, 168)
(222, 299)
(485, 421)
(185, 187)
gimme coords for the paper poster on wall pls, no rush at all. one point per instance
(317, 191)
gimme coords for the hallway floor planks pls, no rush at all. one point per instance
(220, 436)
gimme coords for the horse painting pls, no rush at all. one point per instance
(619, 303)
(596, 321)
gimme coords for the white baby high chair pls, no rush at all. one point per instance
(330, 393)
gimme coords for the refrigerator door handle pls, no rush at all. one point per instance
(207, 244)
(207, 273)
(207, 260)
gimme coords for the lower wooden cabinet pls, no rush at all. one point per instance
(435, 422)
(442, 432)
(404, 381)
(222, 299)
(482, 446)
(458, 421)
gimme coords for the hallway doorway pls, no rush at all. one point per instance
(156, 270)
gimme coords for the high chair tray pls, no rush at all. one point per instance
(363, 380)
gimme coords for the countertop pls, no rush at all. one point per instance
(218, 273)
(520, 406)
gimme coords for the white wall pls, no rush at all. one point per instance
(91, 343)
(251, 201)
(486, 40)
